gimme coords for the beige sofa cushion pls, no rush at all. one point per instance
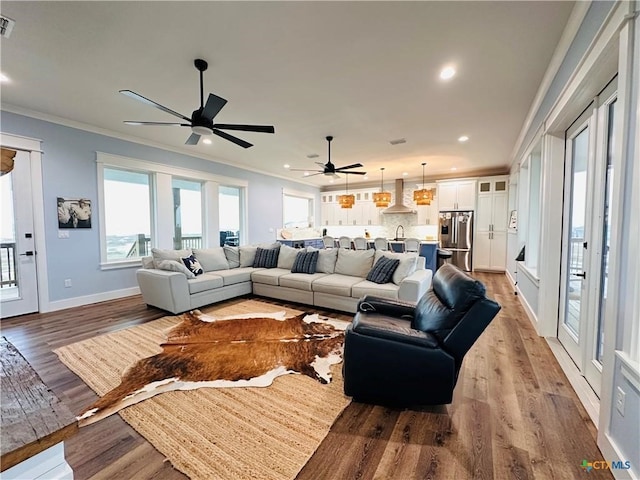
(204, 282)
(159, 255)
(287, 256)
(300, 281)
(211, 259)
(408, 264)
(326, 260)
(233, 255)
(269, 276)
(335, 284)
(365, 287)
(175, 266)
(236, 275)
(356, 263)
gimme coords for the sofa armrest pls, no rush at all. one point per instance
(413, 287)
(164, 289)
(393, 329)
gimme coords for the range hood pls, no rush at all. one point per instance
(399, 207)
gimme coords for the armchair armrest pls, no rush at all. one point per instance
(390, 328)
(387, 306)
(163, 289)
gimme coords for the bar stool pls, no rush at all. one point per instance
(360, 243)
(444, 256)
(345, 242)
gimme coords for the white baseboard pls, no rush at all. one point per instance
(89, 299)
(528, 310)
(511, 278)
(611, 451)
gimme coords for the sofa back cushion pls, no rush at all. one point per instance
(451, 295)
(211, 259)
(407, 265)
(287, 256)
(326, 260)
(175, 266)
(160, 254)
(355, 263)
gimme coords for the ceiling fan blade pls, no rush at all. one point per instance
(142, 99)
(193, 139)
(213, 106)
(246, 128)
(354, 173)
(305, 170)
(320, 163)
(133, 122)
(233, 139)
(355, 165)
(313, 174)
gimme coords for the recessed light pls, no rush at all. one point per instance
(207, 141)
(331, 181)
(404, 174)
(447, 73)
(306, 174)
(453, 169)
(3, 78)
(366, 177)
(463, 138)
(286, 165)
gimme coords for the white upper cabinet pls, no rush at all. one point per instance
(490, 241)
(457, 195)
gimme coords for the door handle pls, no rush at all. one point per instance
(583, 275)
(27, 254)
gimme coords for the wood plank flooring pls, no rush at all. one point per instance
(513, 416)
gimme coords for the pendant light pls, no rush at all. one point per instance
(382, 198)
(347, 200)
(424, 195)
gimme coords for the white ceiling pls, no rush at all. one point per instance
(364, 72)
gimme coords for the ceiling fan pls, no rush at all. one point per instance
(329, 168)
(201, 121)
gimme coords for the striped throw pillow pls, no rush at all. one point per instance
(305, 262)
(382, 271)
(266, 257)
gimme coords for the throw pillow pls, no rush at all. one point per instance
(247, 255)
(382, 271)
(193, 264)
(287, 257)
(326, 260)
(160, 254)
(408, 264)
(175, 266)
(211, 259)
(305, 262)
(233, 256)
(266, 258)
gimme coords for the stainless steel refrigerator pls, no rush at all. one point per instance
(456, 235)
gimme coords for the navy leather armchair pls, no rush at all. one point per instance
(404, 354)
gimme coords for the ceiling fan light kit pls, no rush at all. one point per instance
(423, 196)
(201, 121)
(382, 198)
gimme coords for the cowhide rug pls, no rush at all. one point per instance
(236, 351)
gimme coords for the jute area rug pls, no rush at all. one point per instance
(216, 433)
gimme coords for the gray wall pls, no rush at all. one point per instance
(625, 430)
(69, 170)
(529, 290)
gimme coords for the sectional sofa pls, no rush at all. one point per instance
(338, 283)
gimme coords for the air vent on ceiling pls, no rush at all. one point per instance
(313, 155)
(6, 26)
(398, 141)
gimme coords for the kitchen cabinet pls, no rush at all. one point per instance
(490, 241)
(363, 213)
(457, 195)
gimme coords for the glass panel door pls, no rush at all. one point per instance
(18, 279)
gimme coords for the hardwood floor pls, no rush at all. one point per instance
(514, 414)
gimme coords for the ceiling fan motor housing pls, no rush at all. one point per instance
(199, 124)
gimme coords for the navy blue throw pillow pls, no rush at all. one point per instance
(193, 264)
(266, 257)
(383, 270)
(305, 262)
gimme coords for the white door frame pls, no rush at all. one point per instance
(33, 147)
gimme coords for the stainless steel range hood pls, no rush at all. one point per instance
(399, 207)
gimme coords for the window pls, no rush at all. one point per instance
(187, 213)
(297, 209)
(529, 204)
(230, 205)
(146, 204)
(127, 214)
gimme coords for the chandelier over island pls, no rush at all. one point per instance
(424, 195)
(382, 198)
